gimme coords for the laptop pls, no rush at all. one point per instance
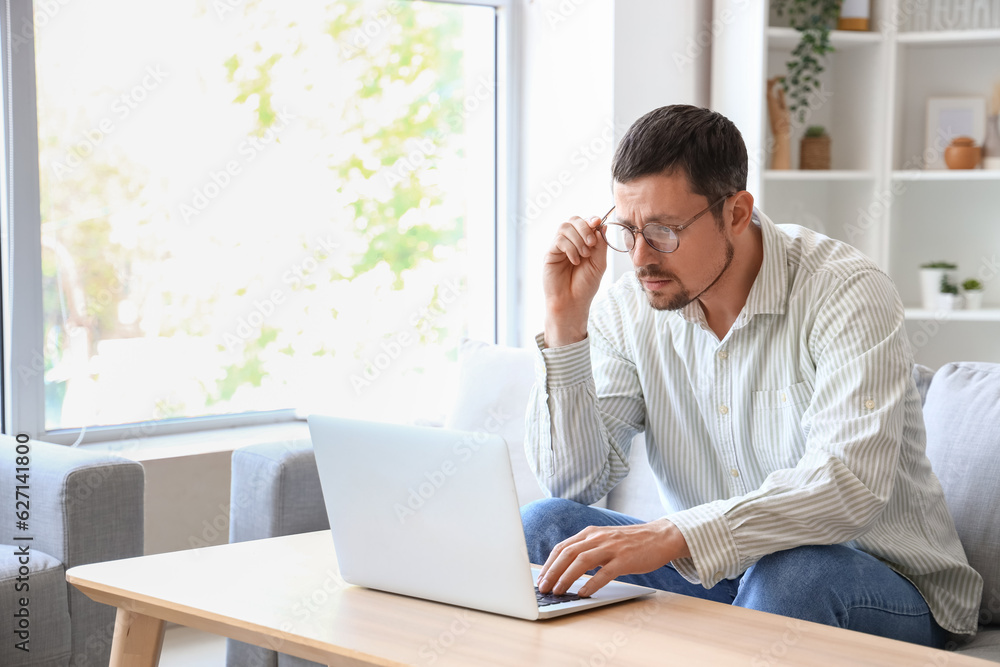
(432, 513)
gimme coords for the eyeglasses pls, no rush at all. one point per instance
(661, 238)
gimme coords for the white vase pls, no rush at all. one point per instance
(930, 286)
(974, 299)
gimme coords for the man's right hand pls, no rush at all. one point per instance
(574, 264)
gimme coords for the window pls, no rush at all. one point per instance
(251, 208)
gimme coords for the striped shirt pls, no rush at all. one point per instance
(802, 426)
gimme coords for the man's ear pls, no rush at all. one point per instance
(742, 203)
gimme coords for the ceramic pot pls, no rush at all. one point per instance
(974, 299)
(962, 153)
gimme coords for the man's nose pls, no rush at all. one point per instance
(642, 254)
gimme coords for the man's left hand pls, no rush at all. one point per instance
(617, 550)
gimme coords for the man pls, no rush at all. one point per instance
(769, 370)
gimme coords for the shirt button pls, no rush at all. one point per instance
(734, 472)
(869, 404)
(723, 354)
(723, 410)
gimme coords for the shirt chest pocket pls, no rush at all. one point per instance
(776, 428)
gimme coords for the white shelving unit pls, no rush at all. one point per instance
(877, 196)
(978, 315)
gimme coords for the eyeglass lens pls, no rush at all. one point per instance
(622, 238)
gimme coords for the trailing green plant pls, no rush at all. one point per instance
(972, 285)
(939, 265)
(813, 19)
(948, 287)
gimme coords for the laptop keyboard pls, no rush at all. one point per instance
(545, 599)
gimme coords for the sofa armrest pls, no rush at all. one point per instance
(275, 491)
(84, 507)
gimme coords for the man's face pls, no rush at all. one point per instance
(673, 280)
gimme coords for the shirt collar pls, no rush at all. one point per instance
(769, 293)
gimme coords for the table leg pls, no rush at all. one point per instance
(138, 640)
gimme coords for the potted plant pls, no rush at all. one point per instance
(813, 19)
(814, 150)
(973, 291)
(931, 275)
(949, 298)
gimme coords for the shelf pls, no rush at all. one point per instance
(875, 89)
(787, 38)
(978, 315)
(949, 38)
(946, 175)
(818, 175)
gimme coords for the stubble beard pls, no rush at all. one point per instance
(683, 296)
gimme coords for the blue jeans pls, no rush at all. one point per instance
(835, 585)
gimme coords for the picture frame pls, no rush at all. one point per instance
(950, 117)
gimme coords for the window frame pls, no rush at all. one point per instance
(23, 389)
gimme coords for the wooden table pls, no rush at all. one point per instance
(286, 594)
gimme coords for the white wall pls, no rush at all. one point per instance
(567, 132)
(187, 501)
(662, 56)
(592, 67)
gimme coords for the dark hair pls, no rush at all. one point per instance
(706, 145)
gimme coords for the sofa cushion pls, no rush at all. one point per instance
(47, 608)
(962, 413)
(923, 375)
(638, 495)
(493, 387)
(985, 645)
(274, 492)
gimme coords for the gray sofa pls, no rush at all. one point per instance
(276, 489)
(81, 508)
